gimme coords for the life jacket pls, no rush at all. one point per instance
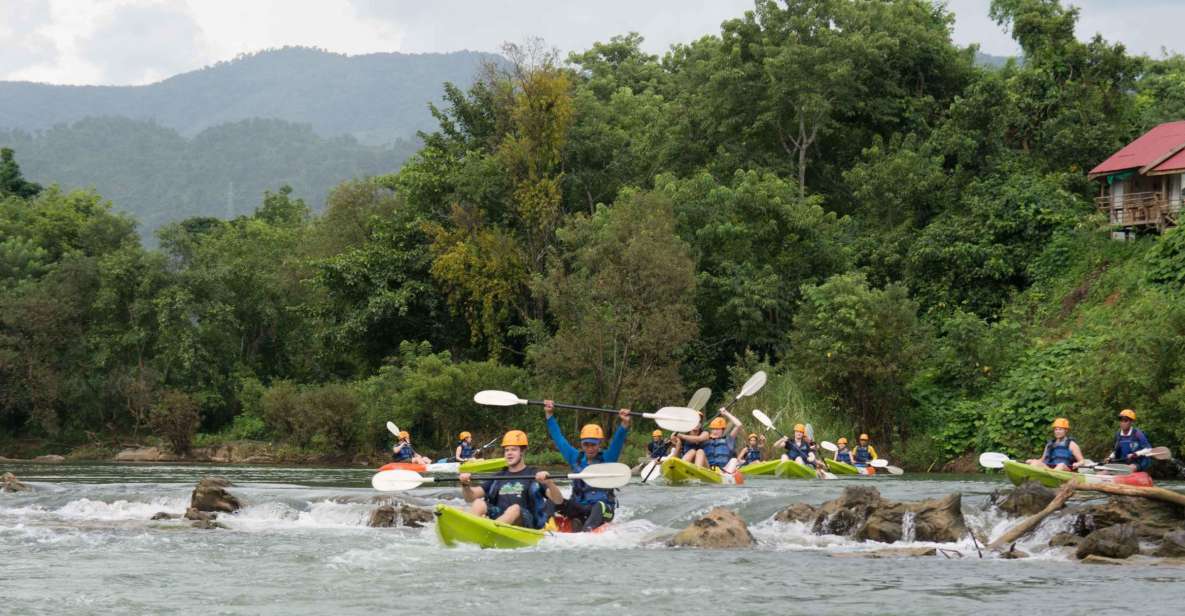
(753, 455)
(844, 455)
(1129, 444)
(523, 491)
(863, 454)
(657, 449)
(1058, 452)
(403, 453)
(466, 451)
(586, 494)
(795, 451)
(717, 451)
(689, 446)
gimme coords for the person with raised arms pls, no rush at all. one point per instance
(523, 496)
(591, 506)
(403, 451)
(751, 453)
(798, 448)
(688, 444)
(718, 451)
(1061, 452)
(1128, 441)
(842, 453)
(464, 450)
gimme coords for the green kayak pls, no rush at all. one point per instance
(676, 470)
(760, 468)
(483, 466)
(790, 469)
(841, 468)
(1018, 473)
(454, 526)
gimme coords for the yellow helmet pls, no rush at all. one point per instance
(591, 431)
(842, 440)
(515, 438)
(752, 435)
(404, 434)
(800, 428)
(718, 423)
(656, 433)
(1061, 422)
(864, 437)
(1128, 413)
(465, 435)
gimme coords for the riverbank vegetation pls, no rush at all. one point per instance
(829, 190)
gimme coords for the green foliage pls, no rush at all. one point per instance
(11, 181)
(1166, 261)
(175, 417)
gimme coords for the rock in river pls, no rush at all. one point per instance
(861, 513)
(720, 528)
(211, 495)
(1112, 542)
(1026, 499)
(399, 514)
(9, 483)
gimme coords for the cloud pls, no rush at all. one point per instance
(21, 39)
(144, 42)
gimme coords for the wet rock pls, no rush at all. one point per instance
(798, 512)
(9, 483)
(861, 513)
(198, 515)
(164, 515)
(1013, 553)
(211, 495)
(1062, 540)
(720, 528)
(399, 514)
(842, 522)
(1172, 545)
(1026, 499)
(207, 525)
(1095, 559)
(888, 553)
(1150, 519)
(145, 454)
(50, 459)
(1113, 542)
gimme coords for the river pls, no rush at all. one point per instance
(81, 543)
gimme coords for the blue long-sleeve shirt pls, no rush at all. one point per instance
(1126, 444)
(573, 456)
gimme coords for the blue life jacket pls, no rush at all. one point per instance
(1126, 445)
(753, 455)
(657, 449)
(718, 452)
(689, 446)
(795, 451)
(525, 492)
(1058, 452)
(466, 451)
(844, 455)
(404, 453)
(863, 455)
(586, 494)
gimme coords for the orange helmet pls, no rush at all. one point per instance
(591, 431)
(1128, 413)
(718, 423)
(752, 435)
(465, 435)
(1061, 422)
(864, 437)
(842, 441)
(404, 435)
(656, 433)
(800, 428)
(515, 438)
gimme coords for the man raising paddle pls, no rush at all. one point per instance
(591, 506)
(526, 500)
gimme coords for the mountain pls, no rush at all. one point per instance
(375, 98)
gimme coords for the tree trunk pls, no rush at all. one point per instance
(1032, 521)
(1168, 496)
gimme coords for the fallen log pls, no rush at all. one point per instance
(1031, 522)
(1161, 494)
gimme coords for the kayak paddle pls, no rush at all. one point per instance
(393, 429)
(699, 399)
(829, 446)
(1158, 453)
(883, 463)
(810, 437)
(763, 419)
(606, 476)
(673, 418)
(752, 386)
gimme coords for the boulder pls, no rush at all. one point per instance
(163, 515)
(1112, 542)
(9, 483)
(1026, 499)
(937, 520)
(1150, 518)
(1062, 540)
(211, 495)
(720, 528)
(50, 459)
(1172, 545)
(145, 454)
(399, 514)
(198, 515)
(207, 524)
(1013, 553)
(798, 512)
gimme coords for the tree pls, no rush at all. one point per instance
(11, 180)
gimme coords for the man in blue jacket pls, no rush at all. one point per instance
(1128, 441)
(591, 506)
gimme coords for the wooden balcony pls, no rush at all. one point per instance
(1140, 210)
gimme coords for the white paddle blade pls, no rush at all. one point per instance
(992, 459)
(699, 399)
(392, 428)
(829, 446)
(1158, 453)
(675, 418)
(827, 474)
(879, 463)
(762, 418)
(753, 385)
(444, 467)
(895, 470)
(604, 476)
(493, 397)
(648, 471)
(810, 433)
(397, 480)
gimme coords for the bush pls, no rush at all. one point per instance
(318, 417)
(175, 418)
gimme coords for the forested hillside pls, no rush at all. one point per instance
(830, 190)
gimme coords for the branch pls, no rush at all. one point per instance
(1032, 521)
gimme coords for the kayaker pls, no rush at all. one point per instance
(864, 454)
(718, 451)
(752, 451)
(591, 506)
(1128, 441)
(842, 453)
(464, 449)
(403, 451)
(658, 446)
(524, 497)
(798, 448)
(1061, 452)
(689, 443)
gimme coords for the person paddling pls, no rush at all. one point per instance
(798, 448)
(464, 450)
(842, 453)
(751, 453)
(591, 506)
(1061, 452)
(688, 444)
(658, 446)
(718, 451)
(524, 496)
(1128, 441)
(864, 454)
(403, 451)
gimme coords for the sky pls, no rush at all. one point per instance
(126, 42)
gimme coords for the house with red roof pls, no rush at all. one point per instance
(1141, 183)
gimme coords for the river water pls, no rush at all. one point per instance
(81, 543)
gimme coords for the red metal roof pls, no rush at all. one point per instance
(1152, 145)
(1175, 163)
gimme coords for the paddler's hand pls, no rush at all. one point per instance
(464, 479)
(548, 408)
(625, 417)
(542, 477)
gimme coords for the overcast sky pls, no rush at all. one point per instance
(141, 41)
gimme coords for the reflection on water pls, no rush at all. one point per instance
(82, 542)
